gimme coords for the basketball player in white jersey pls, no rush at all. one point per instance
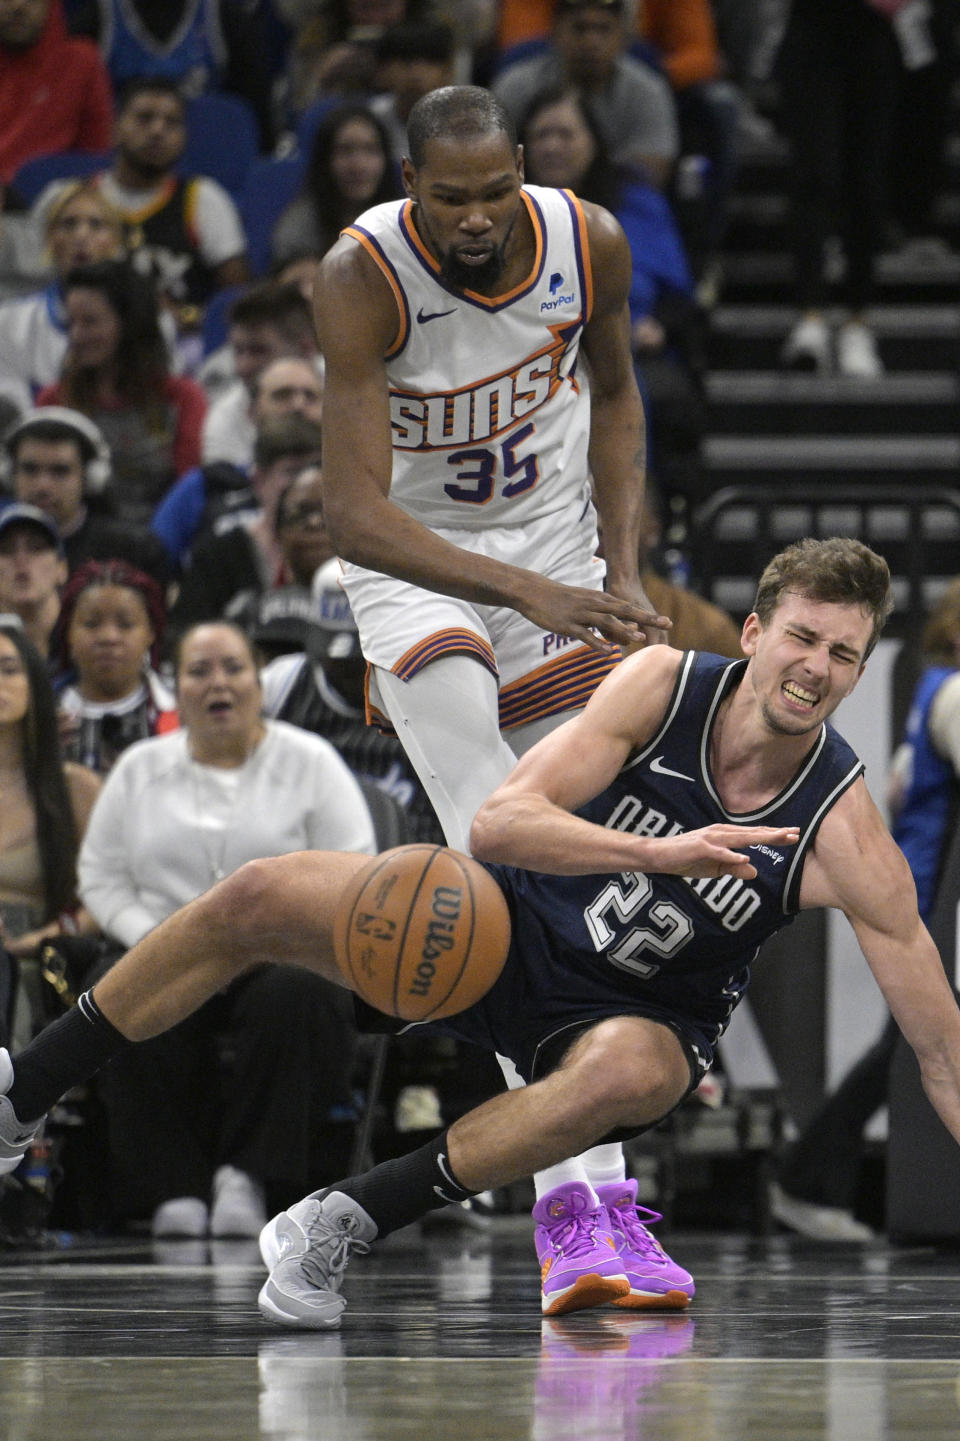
(461, 434)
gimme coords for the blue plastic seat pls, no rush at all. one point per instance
(35, 175)
(222, 139)
(215, 317)
(268, 188)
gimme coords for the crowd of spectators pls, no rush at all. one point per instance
(161, 389)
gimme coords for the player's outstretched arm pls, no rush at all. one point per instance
(857, 867)
(357, 320)
(618, 441)
(527, 821)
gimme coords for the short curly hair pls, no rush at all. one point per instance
(455, 112)
(838, 570)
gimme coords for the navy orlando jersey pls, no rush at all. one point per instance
(671, 947)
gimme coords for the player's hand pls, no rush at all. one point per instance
(716, 850)
(603, 621)
(633, 591)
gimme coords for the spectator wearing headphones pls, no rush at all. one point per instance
(57, 459)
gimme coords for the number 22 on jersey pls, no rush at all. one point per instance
(619, 901)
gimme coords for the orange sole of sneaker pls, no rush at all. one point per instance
(668, 1301)
(589, 1291)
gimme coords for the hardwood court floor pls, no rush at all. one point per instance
(443, 1341)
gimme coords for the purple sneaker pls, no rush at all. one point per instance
(606, 1367)
(656, 1282)
(579, 1264)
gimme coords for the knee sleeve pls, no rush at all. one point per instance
(447, 721)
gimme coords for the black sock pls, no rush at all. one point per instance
(402, 1190)
(65, 1053)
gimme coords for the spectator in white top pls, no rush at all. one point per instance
(184, 231)
(81, 227)
(179, 811)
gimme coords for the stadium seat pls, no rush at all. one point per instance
(268, 188)
(222, 139)
(215, 317)
(35, 175)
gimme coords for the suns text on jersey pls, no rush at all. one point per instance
(478, 412)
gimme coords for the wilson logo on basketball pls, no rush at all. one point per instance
(441, 926)
(406, 932)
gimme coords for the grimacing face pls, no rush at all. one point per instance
(805, 661)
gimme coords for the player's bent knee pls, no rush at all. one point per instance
(244, 906)
(632, 1071)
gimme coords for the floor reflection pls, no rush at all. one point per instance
(443, 1341)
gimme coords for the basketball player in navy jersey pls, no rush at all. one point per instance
(646, 849)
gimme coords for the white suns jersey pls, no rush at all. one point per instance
(490, 414)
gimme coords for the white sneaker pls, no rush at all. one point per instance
(808, 346)
(857, 354)
(238, 1205)
(15, 1135)
(181, 1216)
(307, 1250)
(819, 1223)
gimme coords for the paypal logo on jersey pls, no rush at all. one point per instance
(556, 281)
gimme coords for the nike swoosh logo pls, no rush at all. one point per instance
(450, 1200)
(659, 769)
(434, 315)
